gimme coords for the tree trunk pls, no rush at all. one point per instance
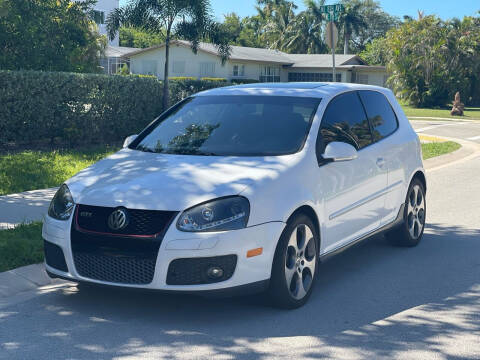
(345, 44)
(165, 74)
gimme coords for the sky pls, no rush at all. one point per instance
(443, 8)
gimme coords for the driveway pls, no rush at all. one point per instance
(373, 301)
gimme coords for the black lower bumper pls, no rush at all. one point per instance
(241, 290)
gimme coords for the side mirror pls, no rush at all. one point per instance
(339, 151)
(129, 140)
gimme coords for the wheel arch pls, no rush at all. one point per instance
(420, 175)
(312, 215)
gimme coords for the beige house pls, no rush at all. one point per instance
(264, 65)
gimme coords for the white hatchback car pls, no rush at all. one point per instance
(243, 188)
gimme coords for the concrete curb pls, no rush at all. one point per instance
(468, 151)
(25, 278)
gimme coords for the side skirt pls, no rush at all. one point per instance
(398, 220)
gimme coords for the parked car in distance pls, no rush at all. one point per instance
(242, 189)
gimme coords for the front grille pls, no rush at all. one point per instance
(128, 270)
(54, 256)
(118, 259)
(140, 222)
(194, 271)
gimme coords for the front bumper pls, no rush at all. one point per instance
(178, 245)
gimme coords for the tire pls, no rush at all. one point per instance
(295, 264)
(410, 232)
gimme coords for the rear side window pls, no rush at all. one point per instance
(345, 120)
(380, 113)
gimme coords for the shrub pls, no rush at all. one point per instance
(69, 109)
(181, 78)
(124, 70)
(213, 79)
(244, 81)
(179, 90)
(74, 109)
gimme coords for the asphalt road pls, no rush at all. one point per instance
(466, 130)
(373, 301)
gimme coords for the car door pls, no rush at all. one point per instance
(353, 201)
(384, 124)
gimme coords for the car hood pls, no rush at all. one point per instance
(143, 180)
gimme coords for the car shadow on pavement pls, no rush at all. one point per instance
(357, 306)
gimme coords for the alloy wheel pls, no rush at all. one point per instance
(300, 261)
(416, 212)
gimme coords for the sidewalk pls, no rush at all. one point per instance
(24, 278)
(24, 207)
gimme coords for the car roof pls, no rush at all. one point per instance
(304, 89)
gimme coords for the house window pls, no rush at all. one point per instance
(313, 77)
(362, 78)
(149, 67)
(178, 67)
(270, 74)
(112, 65)
(238, 70)
(207, 69)
(98, 16)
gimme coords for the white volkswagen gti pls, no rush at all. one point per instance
(243, 188)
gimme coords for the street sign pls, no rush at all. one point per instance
(331, 35)
(326, 9)
(332, 16)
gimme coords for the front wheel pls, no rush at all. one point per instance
(410, 232)
(295, 264)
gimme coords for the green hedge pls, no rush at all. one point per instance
(74, 109)
(180, 89)
(70, 109)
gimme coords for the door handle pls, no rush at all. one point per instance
(380, 162)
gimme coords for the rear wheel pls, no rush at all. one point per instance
(411, 231)
(295, 264)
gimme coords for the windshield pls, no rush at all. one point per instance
(231, 125)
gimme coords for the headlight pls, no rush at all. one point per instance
(230, 213)
(62, 204)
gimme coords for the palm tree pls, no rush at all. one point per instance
(189, 19)
(277, 16)
(304, 34)
(352, 20)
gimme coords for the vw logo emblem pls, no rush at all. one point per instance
(118, 219)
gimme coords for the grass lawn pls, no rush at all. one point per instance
(21, 246)
(433, 149)
(471, 113)
(31, 170)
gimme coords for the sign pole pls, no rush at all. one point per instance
(334, 79)
(332, 13)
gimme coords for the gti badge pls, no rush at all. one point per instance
(118, 219)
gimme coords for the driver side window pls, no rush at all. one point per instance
(345, 120)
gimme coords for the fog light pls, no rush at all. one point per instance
(215, 272)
